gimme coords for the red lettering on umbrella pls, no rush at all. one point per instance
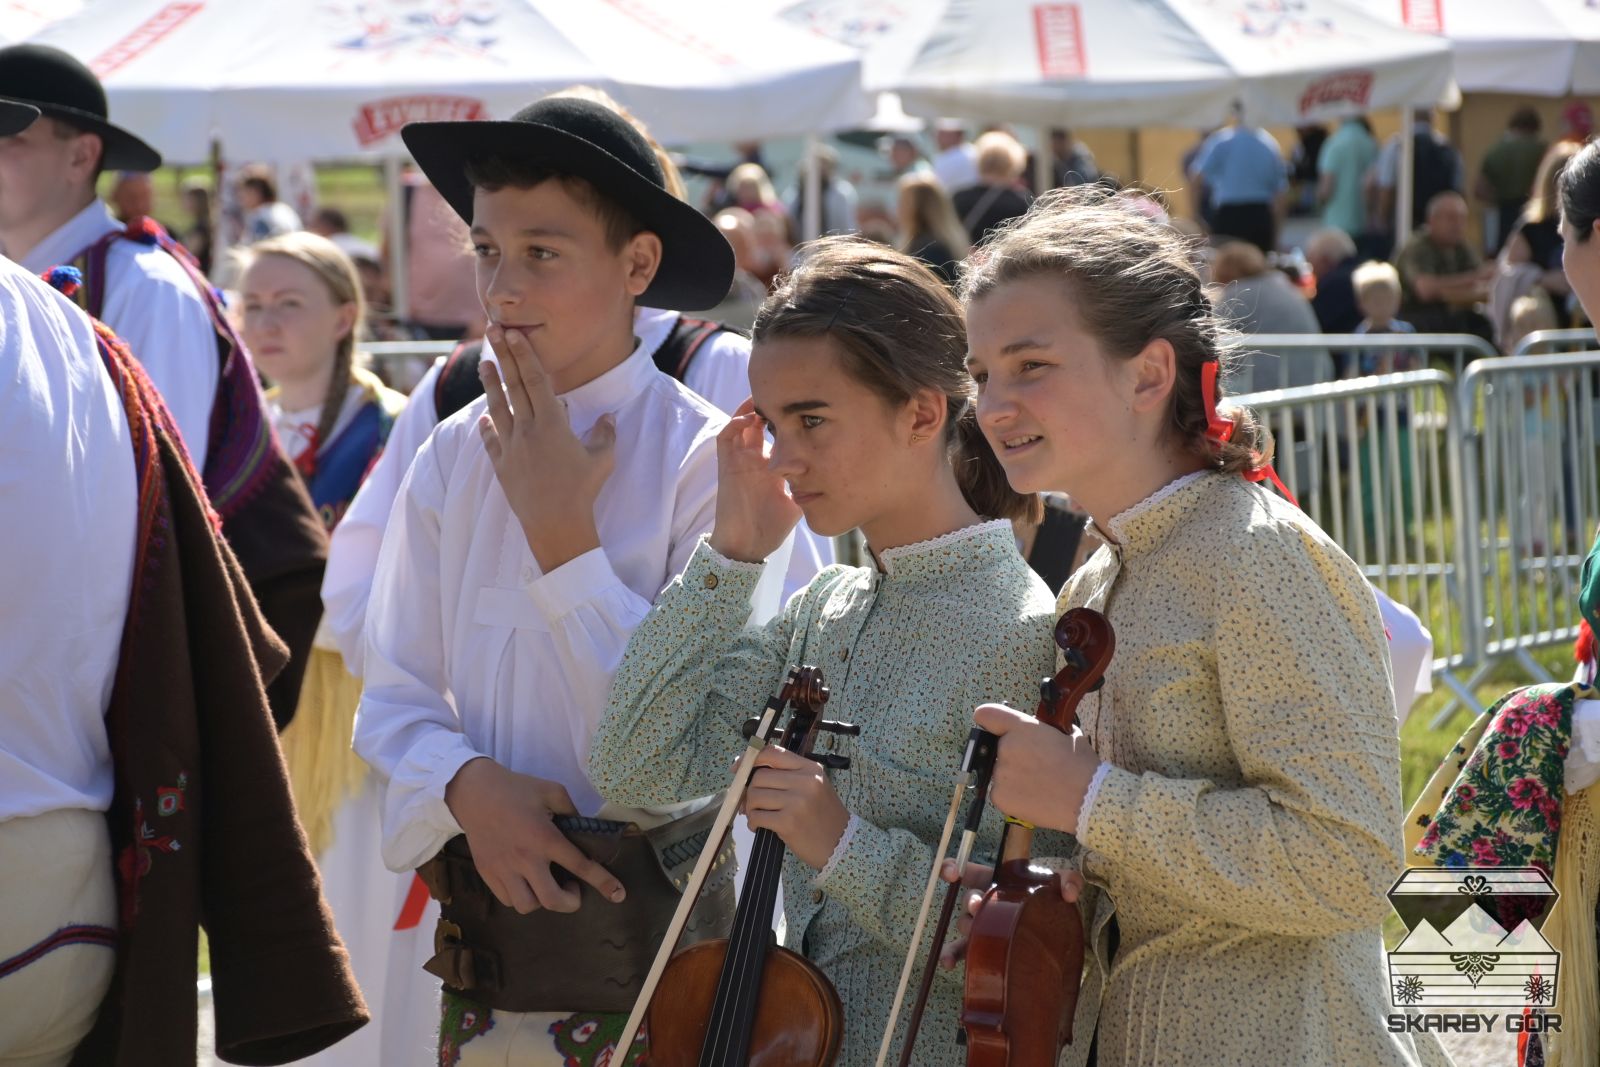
(146, 34)
(1350, 87)
(1424, 16)
(1058, 29)
(380, 118)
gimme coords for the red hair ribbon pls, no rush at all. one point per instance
(1220, 429)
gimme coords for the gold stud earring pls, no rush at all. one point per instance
(916, 437)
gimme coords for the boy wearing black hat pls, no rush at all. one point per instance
(533, 531)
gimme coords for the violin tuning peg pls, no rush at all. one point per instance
(833, 726)
(1099, 684)
(751, 725)
(831, 760)
(1047, 690)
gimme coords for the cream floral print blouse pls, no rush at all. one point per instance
(1248, 828)
(908, 652)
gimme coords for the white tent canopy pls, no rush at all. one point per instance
(323, 79)
(1541, 47)
(1125, 63)
(21, 19)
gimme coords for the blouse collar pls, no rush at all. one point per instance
(947, 553)
(1143, 527)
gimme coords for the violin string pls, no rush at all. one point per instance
(756, 944)
(747, 967)
(726, 1011)
(717, 1025)
(738, 993)
(738, 950)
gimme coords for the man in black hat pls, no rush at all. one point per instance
(533, 531)
(70, 497)
(50, 215)
(122, 820)
(148, 290)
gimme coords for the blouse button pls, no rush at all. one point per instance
(711, 581)
(527, 574)
(816, 896)
(844, 654)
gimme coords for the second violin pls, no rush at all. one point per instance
(1024, 957)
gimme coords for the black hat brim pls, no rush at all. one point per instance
(696, 269)
(15, 117)
(122, 150)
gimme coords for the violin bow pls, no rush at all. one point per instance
(702, 868)
(976, 764)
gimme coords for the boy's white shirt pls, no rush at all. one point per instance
(471, 650)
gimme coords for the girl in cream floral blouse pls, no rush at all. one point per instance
(857, 369)
(1235, 788)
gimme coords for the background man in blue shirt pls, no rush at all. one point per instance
(1243, 168)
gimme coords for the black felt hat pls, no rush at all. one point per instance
(61, 87)
(14, 117)
(592, 142)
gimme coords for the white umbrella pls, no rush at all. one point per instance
(1544, 47)
(324, 79)
(21, 19)
(1125, 63)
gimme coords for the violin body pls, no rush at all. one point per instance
(799, 1021)
(743, 1001)
(1024, 962)
(1025, 950)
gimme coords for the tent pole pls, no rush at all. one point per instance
(1043, 169)
(398, 283)
(1402, 186)
(218, 244)
(811, 210)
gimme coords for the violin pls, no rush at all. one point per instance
(1025, 948)
(744, 1000)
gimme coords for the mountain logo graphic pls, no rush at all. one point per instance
(1473, 940)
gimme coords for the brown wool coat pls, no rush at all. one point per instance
(201, 811)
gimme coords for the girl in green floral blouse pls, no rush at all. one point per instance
(857, 371)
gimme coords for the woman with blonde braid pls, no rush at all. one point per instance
(302, 311)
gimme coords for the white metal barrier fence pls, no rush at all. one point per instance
(1542, 342)
(403, 363)
(1290, 360)
(1532, 498)
(1373, 462)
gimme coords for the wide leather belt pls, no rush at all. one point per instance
(594, 959)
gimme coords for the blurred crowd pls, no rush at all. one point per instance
(1301, 240)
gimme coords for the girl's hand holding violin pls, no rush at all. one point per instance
(1040, 773)
(790, 795)
(754, 510)
(977, 877)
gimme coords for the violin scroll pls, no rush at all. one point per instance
(1087, 643)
